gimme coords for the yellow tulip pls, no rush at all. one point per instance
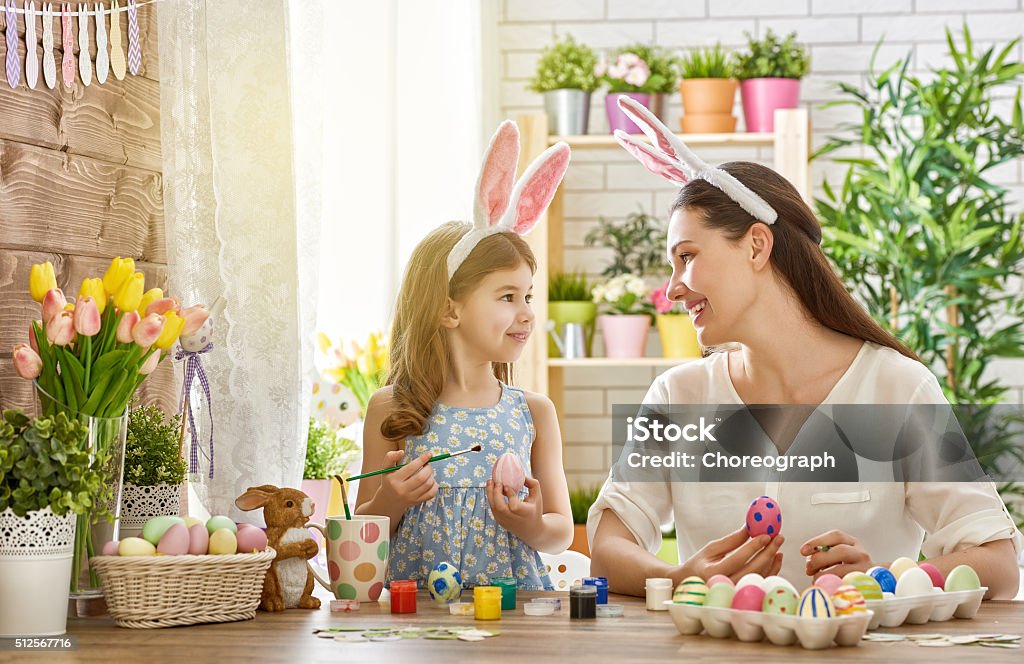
(151, 296)
(119, 271)
(129, 295)
(323, 341)
(94, 288)
(41, 280)
(173, 324)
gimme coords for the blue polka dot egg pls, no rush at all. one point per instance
(764, 517)
(444, 583)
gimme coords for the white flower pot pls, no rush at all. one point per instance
(139, 504)
(35, 572)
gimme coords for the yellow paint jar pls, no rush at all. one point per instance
(487, 602)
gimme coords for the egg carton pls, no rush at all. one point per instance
(936, 606)
(753, 626)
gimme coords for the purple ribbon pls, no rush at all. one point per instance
(193, 369)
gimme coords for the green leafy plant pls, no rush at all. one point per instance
(771, 58)
(327, 452)
(580, 500)
(925, 238)
(568, 287)
(45, 462)
(151, 451)
(637, 244)
(710, 62)
(624, 294)
(639, 68)
(565, 65)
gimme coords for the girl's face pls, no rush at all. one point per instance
(711, 275)
(495, 320)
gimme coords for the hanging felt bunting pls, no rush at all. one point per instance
(134, 49)
(49, 66)
(67, 39)
(102, 61)
(117, 63)
(84, 64)
(13, 61)
(31, 43)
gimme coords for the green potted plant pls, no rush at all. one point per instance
(637, 244)
(153, 469)
(926, 239)
(47, 478)
(769, 72)
(708, 91)
(580, 500)
(569, 302)
(641, 72)
(565, 76)
(328, 454)
(678, 336)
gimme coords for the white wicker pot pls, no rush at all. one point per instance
(141, 503)
(35, 572)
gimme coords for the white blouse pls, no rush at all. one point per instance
(890, 519)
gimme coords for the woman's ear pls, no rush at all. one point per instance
(450, 314)
(761, 242)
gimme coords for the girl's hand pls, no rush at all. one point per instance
(412, 484)
(735, 555)
(843, 554)
(516, 516)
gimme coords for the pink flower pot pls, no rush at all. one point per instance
(762, 96)
(617, 118)
(624, 336)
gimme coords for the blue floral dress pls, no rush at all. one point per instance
(457, 525)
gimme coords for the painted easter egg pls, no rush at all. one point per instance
(155, 528)
(719, 578)
(914, 581)
(215, 523)
(508, 470)
(691, 590)
(865, 585)
(135, 546)
(815, 603)
(111, 548)
(250, 539)
(191, 521)
(720, 595)
(901, 565)
(829, 583)
(752, 579)
(847, 600)
(935, 574)
(223, 542)
(748, 598)
(776, 581)
(444, 583)
(198, 340)
(962, 577)
(175, 541)
(886, 579)
(198, 539)
(780, 600)
(764, 517)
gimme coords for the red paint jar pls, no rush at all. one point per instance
(403, 597)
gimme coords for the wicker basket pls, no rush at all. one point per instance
(143, 592)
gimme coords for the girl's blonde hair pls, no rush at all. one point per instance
(419, 345)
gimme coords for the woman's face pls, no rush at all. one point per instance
(711, 275)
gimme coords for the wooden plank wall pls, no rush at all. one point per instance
(80, 183)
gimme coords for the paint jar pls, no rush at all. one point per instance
(659, 591)
(601, 583)
(403, 597)
(583, 602)
(487, 602)
(508, 591)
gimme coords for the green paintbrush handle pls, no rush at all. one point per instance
(394, 468)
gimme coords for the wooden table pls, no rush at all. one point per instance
(639, 636)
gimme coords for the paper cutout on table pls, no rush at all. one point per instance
(102, 59)
(67, 40)
(31, 44)
(49, 66)
(134, 50)
(117, 62)
(84, 63)
(13, 61)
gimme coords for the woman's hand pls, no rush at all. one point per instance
(517, 516)
(735, 555)
(835, 552)
(410, 485)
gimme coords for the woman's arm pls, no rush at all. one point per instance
(995, 563)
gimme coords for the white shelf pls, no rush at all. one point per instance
(618, 362)
(761, 139)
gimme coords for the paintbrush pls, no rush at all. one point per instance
(439, 457)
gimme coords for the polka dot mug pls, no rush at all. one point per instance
(357, 556)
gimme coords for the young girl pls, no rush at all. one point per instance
(462, 318)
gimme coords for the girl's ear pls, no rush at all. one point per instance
(494, 185)
(761, 242)
(450, 314)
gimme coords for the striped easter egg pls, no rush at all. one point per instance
(691, 590)
(847, 600)
(815, 603)
(865, 584)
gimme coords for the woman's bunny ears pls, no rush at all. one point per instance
(499, 207)
(669, 157)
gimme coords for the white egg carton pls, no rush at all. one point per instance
(753, 626)
(936, 606)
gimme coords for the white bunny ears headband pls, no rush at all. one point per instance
(669, 157)
(500, 208)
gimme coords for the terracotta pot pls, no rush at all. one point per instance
(708, 123)
(579, 539)
(708, 95)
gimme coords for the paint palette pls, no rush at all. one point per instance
(936, 606)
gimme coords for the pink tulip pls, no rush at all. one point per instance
(150, 365)
(127, 324)
(53, 303)
(32, 335)
(27, 362)
(163, 305)
(61, 329)
(148, 330)
(194, 317)
(87, 316)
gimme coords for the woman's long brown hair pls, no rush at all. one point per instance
(418, 345)
(796, 254)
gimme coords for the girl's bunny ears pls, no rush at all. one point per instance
(499, 207)
(669, 157)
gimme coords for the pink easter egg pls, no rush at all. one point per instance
(251, 539)
(720, 578)
(508, 470)
(748, 598)
(175, 541)
(764, 517)
(938, 580)
(198, 539)
(829, 583)
(110, 548)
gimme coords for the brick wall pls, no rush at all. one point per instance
(841, 36)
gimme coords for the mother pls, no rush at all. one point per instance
(747, 265)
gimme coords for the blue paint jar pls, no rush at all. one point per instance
(601, 583)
